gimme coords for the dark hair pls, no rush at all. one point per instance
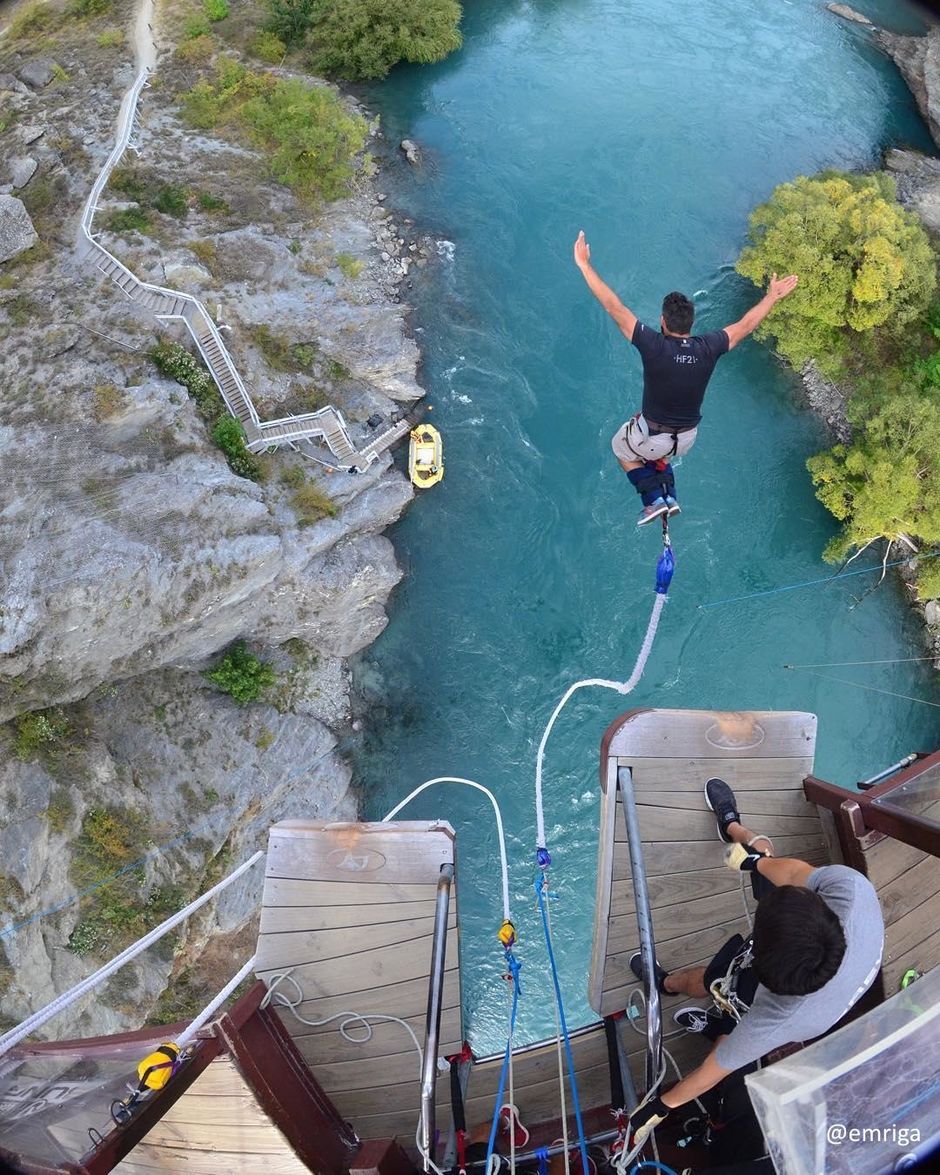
(798, 941)
(678, 313)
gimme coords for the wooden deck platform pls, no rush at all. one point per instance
(348, 910)
(906, 877)
(696, 902)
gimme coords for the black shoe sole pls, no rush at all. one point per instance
(718, 824)
(661, 974)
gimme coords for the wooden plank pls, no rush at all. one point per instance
(743, 775)
(906, 932)
(713, 734)
(280, 892)
(406, 998)
(359, 854)
(751, 804)
(293, 947)
(388, 1038)
(363, 971)
(910, 890)
(147, 1158)
(316, 918)
(676, 856)
(680, 918)
(888, 859)
(658, 823)
(925, 955)
(364, 1073)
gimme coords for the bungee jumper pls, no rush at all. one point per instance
(677, 366)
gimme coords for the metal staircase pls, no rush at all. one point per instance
(327, 424)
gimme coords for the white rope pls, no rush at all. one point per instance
(210, 1009)
(622, 687)
(37, 1019)
(361, 1020)
(499, 824)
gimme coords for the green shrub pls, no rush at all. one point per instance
(196, 26)
(311, 504)
(289, 20)
(197, 49)
(216, 10)
(229, 435)
(863, 263)
(126, 220)
(928, 578)
(360, 39)
(60, 810)
(267, 46)
(241, 674)
(294, 476)
(209, 203)
(312, 141)
(31, 18)
(83, 8)
(40, 732)
(176, 362)
(171, 200)
(111, 38)
(351, 266)
(280, 352)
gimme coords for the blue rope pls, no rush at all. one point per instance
(792, 587)
(540, 894)
(514, 968)
(647, 1163)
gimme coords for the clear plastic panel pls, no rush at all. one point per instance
(864, 1097)
(919, 796)
(50, 1100)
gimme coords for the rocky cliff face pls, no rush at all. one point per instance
(131, 554)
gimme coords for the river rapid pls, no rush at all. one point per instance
(656, 127)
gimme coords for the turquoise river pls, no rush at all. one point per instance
(656, 127)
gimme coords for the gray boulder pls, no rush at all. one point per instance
(847, 13)
(16, 229)
(918, 180)
(38, 73)
(412, 154)
(918, 59)
(9, 82)
(22, 171)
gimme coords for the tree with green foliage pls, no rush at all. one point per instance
(362, 39)
(886, 483)
(864, 263)
(289, 20)
(241, 674)
(311, 140)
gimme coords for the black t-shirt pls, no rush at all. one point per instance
(676, 373)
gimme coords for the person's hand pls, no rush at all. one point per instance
(781, 286)
(740, 857)
(582, 251)
(645, 1119)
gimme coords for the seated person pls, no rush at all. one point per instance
(817, 944)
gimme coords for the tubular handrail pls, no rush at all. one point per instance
(644, 919)
(432, 1029)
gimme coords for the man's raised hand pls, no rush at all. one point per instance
(780, 286)
(582, 251)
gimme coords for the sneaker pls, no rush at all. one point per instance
(636, 966)
(509, 1120)
(720, 798)
(673, 505)
(691, 1019)
(657, 507)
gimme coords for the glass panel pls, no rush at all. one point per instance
(857, 1101)
(48, 1101)
(918, 797)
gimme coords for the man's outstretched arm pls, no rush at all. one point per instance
(622, 315)
(778, 288)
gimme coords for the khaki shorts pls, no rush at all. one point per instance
(632, 442)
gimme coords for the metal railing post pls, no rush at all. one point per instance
(644, 920)
(432, 1028)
